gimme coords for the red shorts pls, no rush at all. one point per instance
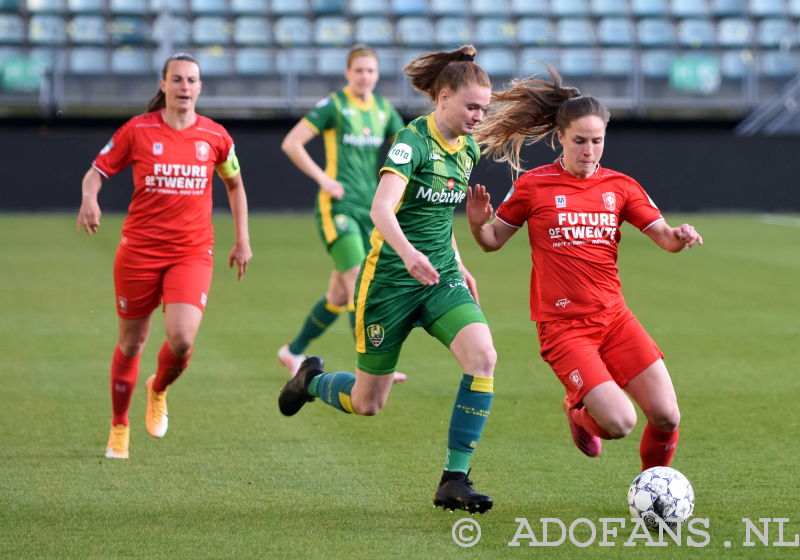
(587, 351)
(142, 282)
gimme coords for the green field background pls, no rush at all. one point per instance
(235, 479)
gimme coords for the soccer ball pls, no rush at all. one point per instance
(661, 493)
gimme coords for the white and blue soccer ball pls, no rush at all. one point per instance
(661, 493)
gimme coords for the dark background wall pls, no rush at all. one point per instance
(684, 167)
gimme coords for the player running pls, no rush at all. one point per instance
(354, 123)
(413, 276)
(574, 209)
(165, 253)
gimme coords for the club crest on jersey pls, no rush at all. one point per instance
(123, 304)
(575, 378)
(202, 150)
(375, 333)
(467, 167)
(382, 117)
(450, 184)
(561, 201)
(610, 201)
(158, 149)
(341, 221)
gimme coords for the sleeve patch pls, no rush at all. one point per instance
(400, 154)
(107, 147)
(509, 194)
(323, 102)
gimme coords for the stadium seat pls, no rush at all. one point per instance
(88, 61)
(174, 6)
(128, 61)
(728, 7)
(331, 62)
(645, 8)
(214, 61)
(414, 32)
(562, 8)
(388, 64)
(333, 31)
(447, 7)
(767, 8)
(127, 6)
(374, 31)
(655, 64)
(494, 32)
(495, 8)
(616, 63)
(327, 6)
(689, 8)
(735, 32)
(733, 66)
(776, 64)
(47, 30)
(9, 6)
(253, 62)
(615, 31)
(292, 31)
(12, 29)
(577, 62)
(39, 6)
(368, 7)
(85, 6)
(179, 30)
(88, 30)
(252, 31)
(408, 7)
(299, 63)
(696, 33)
(794, 8)
(529, 7)
(774, 33)
(535, 31)
(531, 61)
(571, 32)
(287, 7)
(610, 7)
(453, 32)
(498, 63)
(656, 32)
(249, 7)
(208, 6)
(129, 30)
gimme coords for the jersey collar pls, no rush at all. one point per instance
(357, 102)
(440, 139)
(565, 170)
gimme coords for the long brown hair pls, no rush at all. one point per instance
(531, 110)
(159, 101)
(433, 72)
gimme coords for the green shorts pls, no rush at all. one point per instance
(387, 314)
(345, 236)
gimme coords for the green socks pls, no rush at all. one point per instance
(334, 389)
(322, 315)
(470, 411)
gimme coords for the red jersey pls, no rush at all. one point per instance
(574, 230)
(170, 212)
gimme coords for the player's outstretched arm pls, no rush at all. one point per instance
(294, 146)
(490, 237)
(241, 252)
(89, 214)
(673, 239)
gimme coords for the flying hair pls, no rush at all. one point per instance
(433, 72)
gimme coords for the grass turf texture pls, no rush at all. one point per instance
(235, 479)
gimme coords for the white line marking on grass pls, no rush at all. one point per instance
(777, 220)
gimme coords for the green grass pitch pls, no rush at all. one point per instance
(235, 479)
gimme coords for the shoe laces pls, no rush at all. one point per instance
(467, 481)
(159, 404)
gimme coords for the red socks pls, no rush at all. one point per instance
(583, 419)
(124, 372)
(657, 447)
(169, 368)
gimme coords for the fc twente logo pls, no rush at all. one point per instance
(202, 150)
(610, 201)
(375, 333)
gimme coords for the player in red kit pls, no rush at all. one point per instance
(574, 209)
(165, 253)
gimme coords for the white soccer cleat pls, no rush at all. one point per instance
(156, 415)
(291, 361)
(117, 447)
(400, 377)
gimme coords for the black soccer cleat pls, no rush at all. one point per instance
(457, 493)
(295, 393)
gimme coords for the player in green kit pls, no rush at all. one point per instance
(413, 276)
(354, 124)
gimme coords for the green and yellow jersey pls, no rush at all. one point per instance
(353, 132)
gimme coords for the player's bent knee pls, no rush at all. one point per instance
(620, 426)
(482, 361)
(667, 421)
(181, 346)
(370, 408)
(131, 349)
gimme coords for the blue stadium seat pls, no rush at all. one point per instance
(253, 62)
(255, 7)
(496, 8)
(414, 32)
(728, 7)
(128, 61)
(374, 31)
(39, 6)
(645, 8)
(287, 7)
(252, 31)
(655, 64)
(292, 31)
(616, 63)
(696, 33)
(88, 30)
(498, 62)
(615, 31)
(368, 7)
(610, 7)
(735, 32)
(214, 61)
(575, 32)
(656, 32)
(9, 6)
(85, 6)
(180, 30)
(767, 8)
(577, 62)
(794, 8)
(535, 31)
(531, 61)
(563, 8)
(447, 7)
(208, 6)
(453, 32)
(47, 30)
(733, 66)
(776, 64)
(129, 30)
(327, 6)
(773, 33)
(180, 7)
(12, 29)
(408, 7)
(529, 7)
(300, 63)
(333, 31)
(127, 6)
(689, 8)
(331, 62)
(88, 61)
(494, 32)
(388, 62)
